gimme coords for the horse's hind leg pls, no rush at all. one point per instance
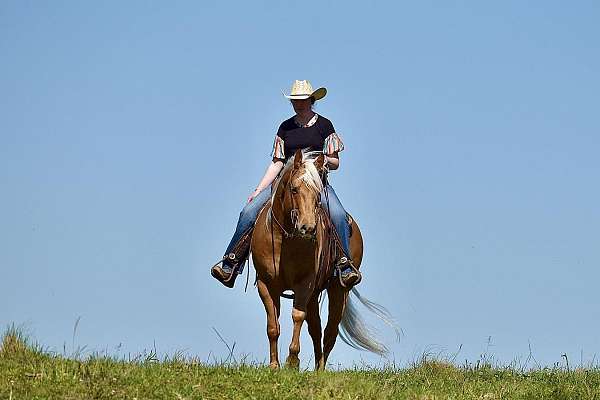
(313, 319)
(337, 301)
(271, 303)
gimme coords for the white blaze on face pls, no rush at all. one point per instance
(305, 201)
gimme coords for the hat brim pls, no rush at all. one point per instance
(317, 94)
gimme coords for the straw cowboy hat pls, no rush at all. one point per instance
(304, 90)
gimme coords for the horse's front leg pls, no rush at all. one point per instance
(313, 319)
(302, 293)
(271, 303)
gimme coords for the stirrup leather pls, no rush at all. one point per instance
(233, 261)
(239, 254)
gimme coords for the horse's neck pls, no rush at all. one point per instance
(281, 215)
(277, 204)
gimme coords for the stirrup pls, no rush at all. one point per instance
(345, 263)
(219, 274)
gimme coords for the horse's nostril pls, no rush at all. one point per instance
(306, 230)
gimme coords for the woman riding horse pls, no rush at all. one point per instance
(306, 129)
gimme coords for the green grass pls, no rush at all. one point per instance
(29, 372)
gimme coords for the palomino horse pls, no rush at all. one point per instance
(288, 244)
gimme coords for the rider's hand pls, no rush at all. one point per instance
(253, 195)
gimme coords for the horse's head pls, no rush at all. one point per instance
(298, 192)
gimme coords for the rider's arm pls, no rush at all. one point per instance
(272, 170)
(333, 161)
(270, 174)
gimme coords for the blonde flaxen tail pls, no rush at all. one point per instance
(356, 333)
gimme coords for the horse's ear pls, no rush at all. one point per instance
(298, 159)
(319, 162)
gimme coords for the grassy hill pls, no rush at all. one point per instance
(28, 372)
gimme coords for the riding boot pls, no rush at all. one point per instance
(232, 264)
(348, 274)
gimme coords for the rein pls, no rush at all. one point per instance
(285, 233)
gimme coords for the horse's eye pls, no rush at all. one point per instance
(295, 190)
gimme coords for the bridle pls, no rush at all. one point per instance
(294, 212)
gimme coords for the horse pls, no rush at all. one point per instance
(289, 252)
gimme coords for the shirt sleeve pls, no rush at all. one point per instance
(333, 144)
(278, 151)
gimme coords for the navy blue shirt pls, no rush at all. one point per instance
(291, 137)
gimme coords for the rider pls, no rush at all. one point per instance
(306, 129)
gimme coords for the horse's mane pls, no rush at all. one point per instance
(310, 177)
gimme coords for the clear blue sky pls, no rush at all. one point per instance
(132, 132)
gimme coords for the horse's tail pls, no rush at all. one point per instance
(356, 333)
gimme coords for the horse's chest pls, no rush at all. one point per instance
(297, 260)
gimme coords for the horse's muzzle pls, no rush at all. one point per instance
(306, 232)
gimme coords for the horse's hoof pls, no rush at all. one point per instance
(320, 364)
(274, 365)
(293, 363)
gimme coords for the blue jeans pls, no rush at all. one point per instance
(250, 212)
